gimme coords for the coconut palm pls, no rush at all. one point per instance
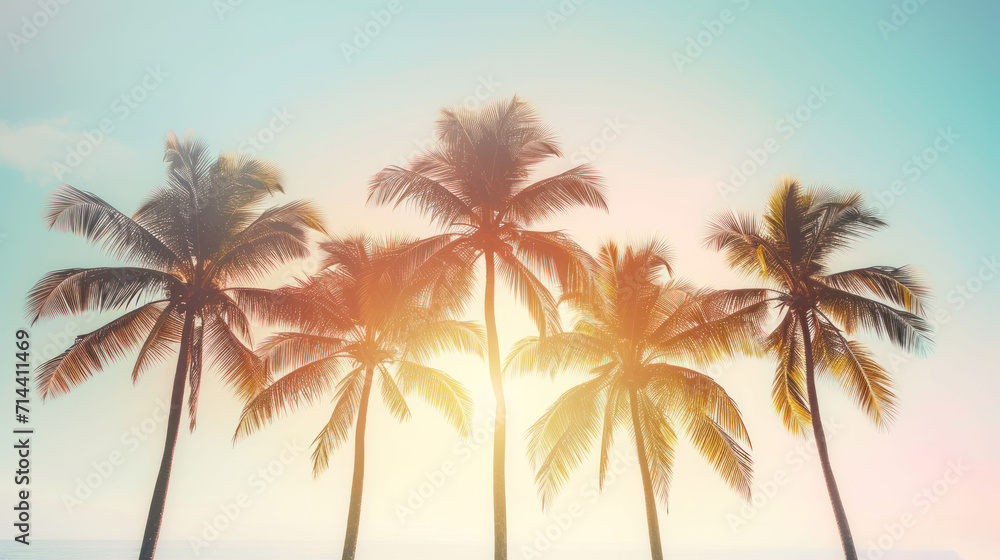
(474, 184)
(186, 249)
(636, 338)
(818, 311)
(361, 319)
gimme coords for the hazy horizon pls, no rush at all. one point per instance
(307, 550)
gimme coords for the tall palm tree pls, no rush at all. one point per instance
(474, 184)
(819, 311)
(635, 337)
(360, 318)
(187, 246)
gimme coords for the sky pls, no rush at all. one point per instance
(686, 109)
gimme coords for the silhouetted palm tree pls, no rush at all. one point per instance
(363, 317)
(187, 246)
(791, 249)
(475, 185)
(635, 337)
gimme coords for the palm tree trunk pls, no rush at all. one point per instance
(824, 456)
(354, 511)
(500, 434)
(155, 517)
(653, 523)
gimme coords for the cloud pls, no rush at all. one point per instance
(52, 151)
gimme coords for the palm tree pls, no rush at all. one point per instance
(819, 311)
(635, 337)
(359, 318)
(185, 248)
(474, 184)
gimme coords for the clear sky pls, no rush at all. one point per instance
(667, 100)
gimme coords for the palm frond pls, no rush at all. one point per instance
(616, 417)
(660, 444)
(530, 292)
(555, 257)
(788, 390)
(577, 187)
(93, 351)
(338, 428)
(439, 390)
(392, 396)
(277, 236)
(285, 351)
(904, 329)
(429, 339)
(298, 387)
(86, 214)
(77, 290)
(557, 353)
(700, 333)
(396, 185)
(561, 438)
(741, 240)
(690, 395)
(287, 306)
(723, 452)
(854, 367)
(839, 220)
(899, 285)
(238, 366)
(166, 332)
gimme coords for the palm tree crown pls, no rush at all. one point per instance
(791, 250)
(475, 185)
(365, 315)
(189, 248)
(188, 243)
(635, 336)
(362, 313)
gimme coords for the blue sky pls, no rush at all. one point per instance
(606, 77)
